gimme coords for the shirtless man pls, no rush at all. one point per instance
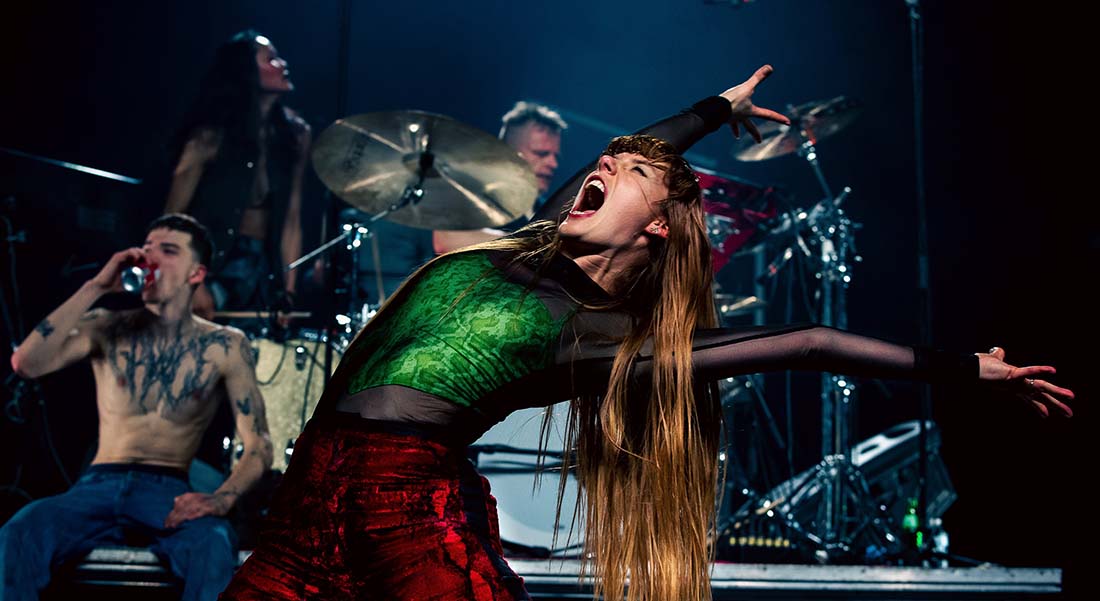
(157, 371)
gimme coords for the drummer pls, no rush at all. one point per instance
(534, 130)
(393, 251)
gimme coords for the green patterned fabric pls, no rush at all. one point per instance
(497, 331)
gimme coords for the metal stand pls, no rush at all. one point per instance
(924, 294)
(825, 235)
(845, 499)
(355, 233)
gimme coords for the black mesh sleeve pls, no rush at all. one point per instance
(721, 353)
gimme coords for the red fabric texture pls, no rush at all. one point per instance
(366, 511)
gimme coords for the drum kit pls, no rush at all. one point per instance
(428, 171)
(414, 168)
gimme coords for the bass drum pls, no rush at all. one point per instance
(507, 455)
(291, 378)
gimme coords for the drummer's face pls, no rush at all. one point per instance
(617, 207)
(540, 147)
(274, 74)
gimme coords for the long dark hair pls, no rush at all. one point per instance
(228, 103)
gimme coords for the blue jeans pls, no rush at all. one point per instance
(112, 504)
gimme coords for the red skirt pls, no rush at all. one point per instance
(375, 510)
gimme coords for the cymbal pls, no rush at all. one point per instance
(469, 179)
(812, 121)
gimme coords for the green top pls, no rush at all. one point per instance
(462, 331)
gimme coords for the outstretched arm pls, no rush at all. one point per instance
(251, 417)
(733, 107)
(721, 353)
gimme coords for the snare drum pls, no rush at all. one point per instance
(507, 456)
(291, 378)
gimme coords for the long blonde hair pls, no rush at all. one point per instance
(646, 453)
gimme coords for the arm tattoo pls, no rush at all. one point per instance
(245, 405)
(248, 354)
(44, 327)
(259, 423)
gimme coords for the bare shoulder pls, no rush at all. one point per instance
(201, 148)
(297, 123)
(303, 133)
(216, 331)
(98, 317)
(207, 136)
(114, 324)
(228, 342)
(96, 325)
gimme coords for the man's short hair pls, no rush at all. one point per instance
(200, 236)
(525, 112)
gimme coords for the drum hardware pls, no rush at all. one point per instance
(811, 122)
(410, 167)
(824, 235)
(882, 480)
(735, 211)
(290, 377)
(443, 174)
(418, 169)
(265, 315)
(527, 507)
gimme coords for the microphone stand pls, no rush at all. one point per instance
(924, 294)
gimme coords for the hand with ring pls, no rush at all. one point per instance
(1040, 394)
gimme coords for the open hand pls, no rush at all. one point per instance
(740, 97)
(1022, 383)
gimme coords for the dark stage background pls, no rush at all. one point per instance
(1012, 217)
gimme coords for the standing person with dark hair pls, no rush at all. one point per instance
(612, 308)
(534, 131)
(240, 162)
(159, 373)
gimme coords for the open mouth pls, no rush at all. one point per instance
(589, 200)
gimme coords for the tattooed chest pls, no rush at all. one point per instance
(164, 374)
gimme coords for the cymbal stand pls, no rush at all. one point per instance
(356, 232)
(833, 232)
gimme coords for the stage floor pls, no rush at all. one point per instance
(558, 580)
(135, 573)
